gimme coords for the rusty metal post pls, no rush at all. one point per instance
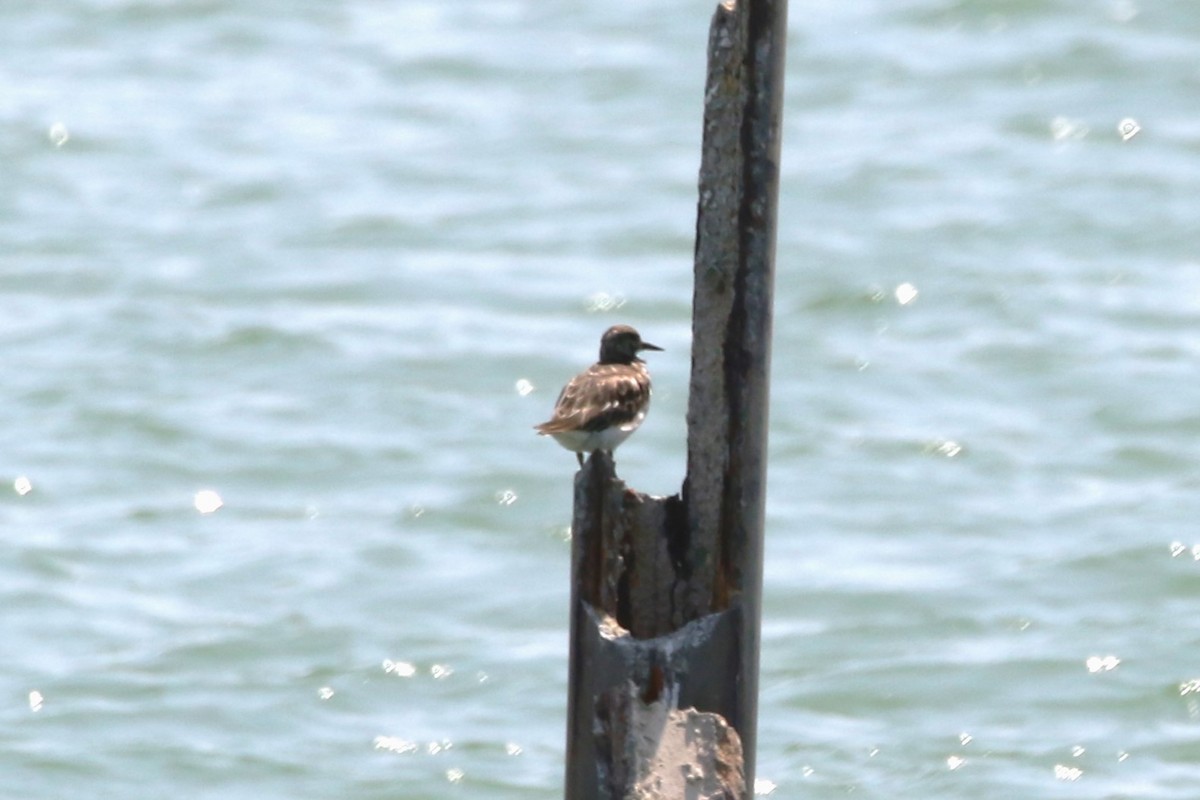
(666, 591)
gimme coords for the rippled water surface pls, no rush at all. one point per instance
(325, 264)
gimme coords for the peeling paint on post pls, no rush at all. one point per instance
(666, 591)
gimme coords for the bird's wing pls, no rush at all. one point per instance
(603, 396)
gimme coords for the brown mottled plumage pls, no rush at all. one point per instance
(603, 405)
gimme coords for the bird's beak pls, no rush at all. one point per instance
(648, 346)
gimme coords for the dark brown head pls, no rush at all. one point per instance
(621, 344)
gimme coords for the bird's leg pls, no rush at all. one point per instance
(579, 458)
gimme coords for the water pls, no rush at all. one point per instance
(332, 262)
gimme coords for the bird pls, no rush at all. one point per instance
(603, 405)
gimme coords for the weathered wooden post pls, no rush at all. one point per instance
(666, 591)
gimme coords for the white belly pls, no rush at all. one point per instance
(587, 441)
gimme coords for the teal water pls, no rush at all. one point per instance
(332, 261)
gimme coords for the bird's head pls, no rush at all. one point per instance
(621, 345)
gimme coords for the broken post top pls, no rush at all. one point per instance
(709, 551)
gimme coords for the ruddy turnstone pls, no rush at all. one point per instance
(603, 405)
